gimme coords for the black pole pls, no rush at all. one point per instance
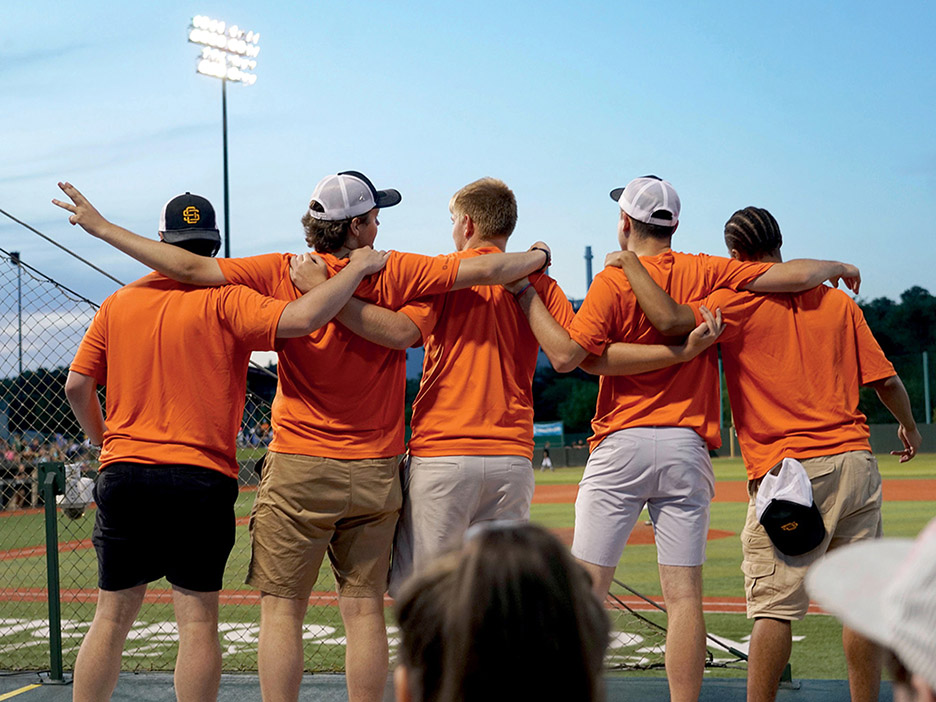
(15, 260)
(52, 482)
(227, 210)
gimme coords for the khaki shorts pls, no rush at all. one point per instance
(847, 490)
(308, 506)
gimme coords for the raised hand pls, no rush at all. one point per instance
(83, 212)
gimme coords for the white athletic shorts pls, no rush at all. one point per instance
(665, 468)
(443, 496)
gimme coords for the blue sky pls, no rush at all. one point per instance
(821, 112)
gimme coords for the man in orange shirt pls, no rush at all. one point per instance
(471, 449)
(331, 481)
(794, 365)
(652, 431)
(174, 359)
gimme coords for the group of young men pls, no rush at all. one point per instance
(172, 349)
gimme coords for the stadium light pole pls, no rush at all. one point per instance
(230, 54)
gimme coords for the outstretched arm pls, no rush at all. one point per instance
(501, 268)
(171, 261)
(376, 324)
(563, 353)
(629, 359)
(893, 394)
(81, 391)
(803, 274)
(665, 314)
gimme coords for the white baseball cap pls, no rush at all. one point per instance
(649, 199)
(885, 589)
(349, 194)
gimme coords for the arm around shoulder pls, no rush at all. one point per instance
(665, 314)
(319, 305)
(562, 351)
(171, 261)
(379, 325)
(804, 274)
(501, 268)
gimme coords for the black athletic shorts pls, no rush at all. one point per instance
(168, 520)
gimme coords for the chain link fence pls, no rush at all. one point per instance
(41, 325)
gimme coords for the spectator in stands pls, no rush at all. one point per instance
(510, 616)
(262, 434)
(22, 489)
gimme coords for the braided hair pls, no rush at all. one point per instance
(753, 232)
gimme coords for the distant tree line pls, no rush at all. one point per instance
(905, 330)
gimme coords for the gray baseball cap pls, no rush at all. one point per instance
(349, 194)
(649, 199)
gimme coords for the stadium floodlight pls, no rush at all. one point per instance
(229, 53)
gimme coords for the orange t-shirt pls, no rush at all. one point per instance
(683, 395)
(340, 396)
(794, 365)
(476, 395)
(174, 360)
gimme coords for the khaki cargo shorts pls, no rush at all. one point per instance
(308, 506)
(847, 490)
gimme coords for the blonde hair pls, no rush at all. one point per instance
(491, 206)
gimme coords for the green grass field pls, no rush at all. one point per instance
(819, 653)
(23, 617)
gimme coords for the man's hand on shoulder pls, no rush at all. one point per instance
(307, 271)
(621, 259)
(368, 260)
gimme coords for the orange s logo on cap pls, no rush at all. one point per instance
(191, 215)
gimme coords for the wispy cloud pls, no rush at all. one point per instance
(102, 154)
(11, 61)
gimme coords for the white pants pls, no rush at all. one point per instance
(666, 469)
(443, 496)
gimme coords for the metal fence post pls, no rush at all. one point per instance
(926, 392)
(52, 480)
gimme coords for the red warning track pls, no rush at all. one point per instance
(328, 599)
(895, 490)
